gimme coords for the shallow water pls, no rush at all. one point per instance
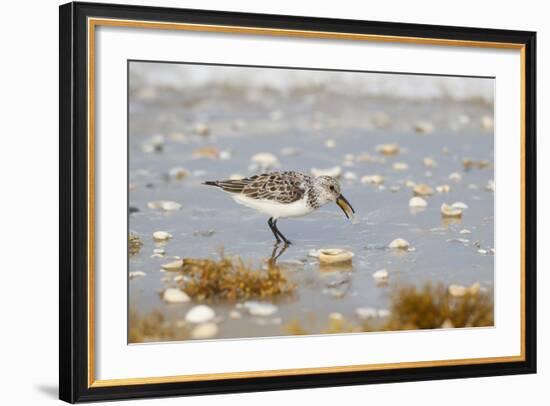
(272, 122)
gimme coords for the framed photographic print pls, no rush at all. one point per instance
(255, 202)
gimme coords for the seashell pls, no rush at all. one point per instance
(202, 129)
(166, 205)
(465, 231)
(179, 173)
(381, 275)
(372, 179)
(430, 162)
(490, 186)
(443, 188)
(172, 266)
(474, 288)
(174, 295)
(262, 309)
(388, 149)
(350, 176)
(418, 202)
(482, 251)
(410, 184)
(209, 152)
(424, 127)
(205, 331)
(459, 205)
(450, 211)
(368, 158)
(487, 122)
(225, 155)
(335, 172)
(200, 314)
(136, 274)
(399, 243)
(395, 188)
(330, 143)
(421, 189)
(457, 290)
(265, 160)
(336, 316)
(365, 313)
(161, 235)
(236, 176)
(235, 314)
(455, 176)
(334, 256)
(400, 166)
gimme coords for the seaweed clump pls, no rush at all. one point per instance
(154, 327)
(434, 307)
(231, 279)
(134, 244)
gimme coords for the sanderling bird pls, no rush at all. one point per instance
(284, 194)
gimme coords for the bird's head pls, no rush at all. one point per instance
(328, 189)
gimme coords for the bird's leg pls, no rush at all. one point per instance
(273, 229)
(287, 242)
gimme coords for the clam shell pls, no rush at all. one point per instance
(334, 256)
(450, 211)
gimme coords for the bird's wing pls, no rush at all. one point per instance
(282, 187)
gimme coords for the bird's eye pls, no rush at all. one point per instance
(332, 188)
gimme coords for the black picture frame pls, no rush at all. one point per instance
(73, 284)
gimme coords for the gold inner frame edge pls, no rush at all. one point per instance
(91, 25)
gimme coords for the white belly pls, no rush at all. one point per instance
(274, 209)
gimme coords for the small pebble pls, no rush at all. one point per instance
(205, 331)
(262, 309)
(200, 314)
(174, 295)
(399, 243)
(465, 231)
(202, 129)
(161, 235)
(159, 251)
(418, 202)
(330, 143)
(179, 173)
(443, 188)
(208, 152)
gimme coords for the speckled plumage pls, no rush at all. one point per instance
(284, 194)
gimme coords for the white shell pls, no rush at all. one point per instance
(262, 309)
(457, 290)
(460, 205)
(165, 205)
(400, 166)
(366, 312)
(161, 235)
(330, 143)
(443, 188)
(381, 275)
(334, 256)
(455, 176)
(450, 211)
(399, 243)
(205, 331)
(174, 295)
(179, 173)
(417, 202)
(429, 162)
(373, 179)
(421, 189)
(265, 160)
(200, 314)
(172, 266)
(136, 274)
(388, 149)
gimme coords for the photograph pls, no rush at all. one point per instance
(283, 201)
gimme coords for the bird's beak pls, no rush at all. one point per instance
(345, 206)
